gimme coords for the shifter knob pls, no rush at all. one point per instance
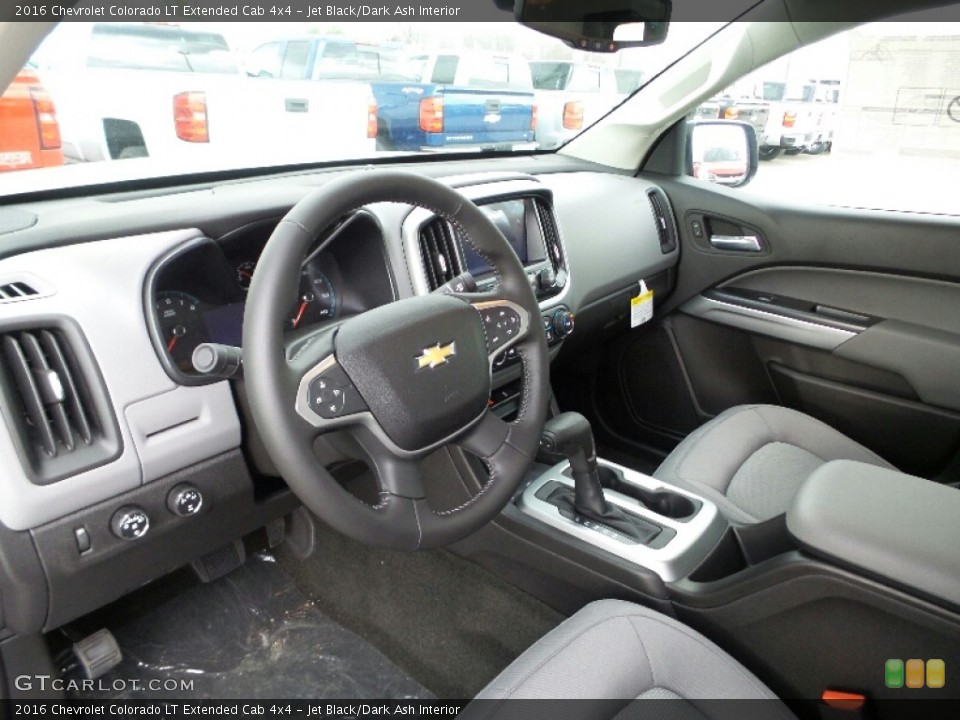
(569, 434)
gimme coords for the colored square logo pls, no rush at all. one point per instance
(936, 673)
(893, 673)
(915, 673)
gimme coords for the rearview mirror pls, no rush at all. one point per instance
(722, 151)
(598, 25)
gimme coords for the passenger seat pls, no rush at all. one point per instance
(751, 459)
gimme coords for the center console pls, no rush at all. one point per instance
(864, 564)
(678, 528)
(655, 526)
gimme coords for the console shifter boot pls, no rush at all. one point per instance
(611, 517)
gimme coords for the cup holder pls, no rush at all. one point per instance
(663, 502)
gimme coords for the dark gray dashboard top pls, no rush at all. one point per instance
(214, 206)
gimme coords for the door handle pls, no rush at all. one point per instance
(736, 243)
(297, 105)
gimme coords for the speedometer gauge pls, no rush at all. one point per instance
(317, 300)
(181, 326)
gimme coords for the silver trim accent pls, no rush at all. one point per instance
(675, 560)
(771, 324)
(737, 243)
(418, 217)
(365, 418)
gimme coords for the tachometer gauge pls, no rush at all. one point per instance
(245, 274)
(317, 301)
(181, 326)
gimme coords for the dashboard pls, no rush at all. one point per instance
(127, 286)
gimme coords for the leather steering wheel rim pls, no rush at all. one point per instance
(377, 345)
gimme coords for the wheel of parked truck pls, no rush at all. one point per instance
(790, 152)
(768, 152)
(403, 379)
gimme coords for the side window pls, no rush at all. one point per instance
(868, 118)
(486, 72)
(416, 66)
(585, 79)
(295, 60)
(445, 70)
(264, 62)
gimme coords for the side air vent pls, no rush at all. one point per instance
(439, 252)
(663, 217)
(551, 236)
(58, 410)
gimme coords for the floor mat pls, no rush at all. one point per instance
(448, 622)
(249, 635)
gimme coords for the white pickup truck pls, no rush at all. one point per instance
(789, 117)
(570, 97)
(194, 104)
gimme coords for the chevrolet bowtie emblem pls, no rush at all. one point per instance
(434, 356)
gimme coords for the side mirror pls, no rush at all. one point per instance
(722, 151)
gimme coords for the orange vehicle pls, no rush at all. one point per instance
(29, 132)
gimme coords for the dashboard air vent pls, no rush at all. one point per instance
(551, 236)
(58, 416)
(439, 252)
(663, 217)
(16, 291)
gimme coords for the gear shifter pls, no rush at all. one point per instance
(569, 434)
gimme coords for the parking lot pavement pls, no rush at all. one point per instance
(885, 181)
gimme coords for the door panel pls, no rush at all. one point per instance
(852, 316)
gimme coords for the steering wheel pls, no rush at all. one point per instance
(404, 379)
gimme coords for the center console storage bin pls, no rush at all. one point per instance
(895, 527)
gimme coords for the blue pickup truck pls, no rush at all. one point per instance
(452, 101)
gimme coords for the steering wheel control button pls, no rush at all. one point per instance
(130, 523)
(332, 395)
(184, 500)
(501, 323)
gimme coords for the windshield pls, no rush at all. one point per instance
(112, 101)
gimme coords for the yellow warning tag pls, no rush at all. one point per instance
(641, 307)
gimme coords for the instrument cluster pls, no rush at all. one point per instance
(199, 295)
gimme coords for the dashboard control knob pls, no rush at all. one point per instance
(562, 322)
(184, 500)
(130, 523)
(547, 278)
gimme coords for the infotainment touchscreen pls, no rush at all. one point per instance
(510, 218)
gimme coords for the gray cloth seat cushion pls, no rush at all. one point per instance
(751, 459)
(616, 650)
